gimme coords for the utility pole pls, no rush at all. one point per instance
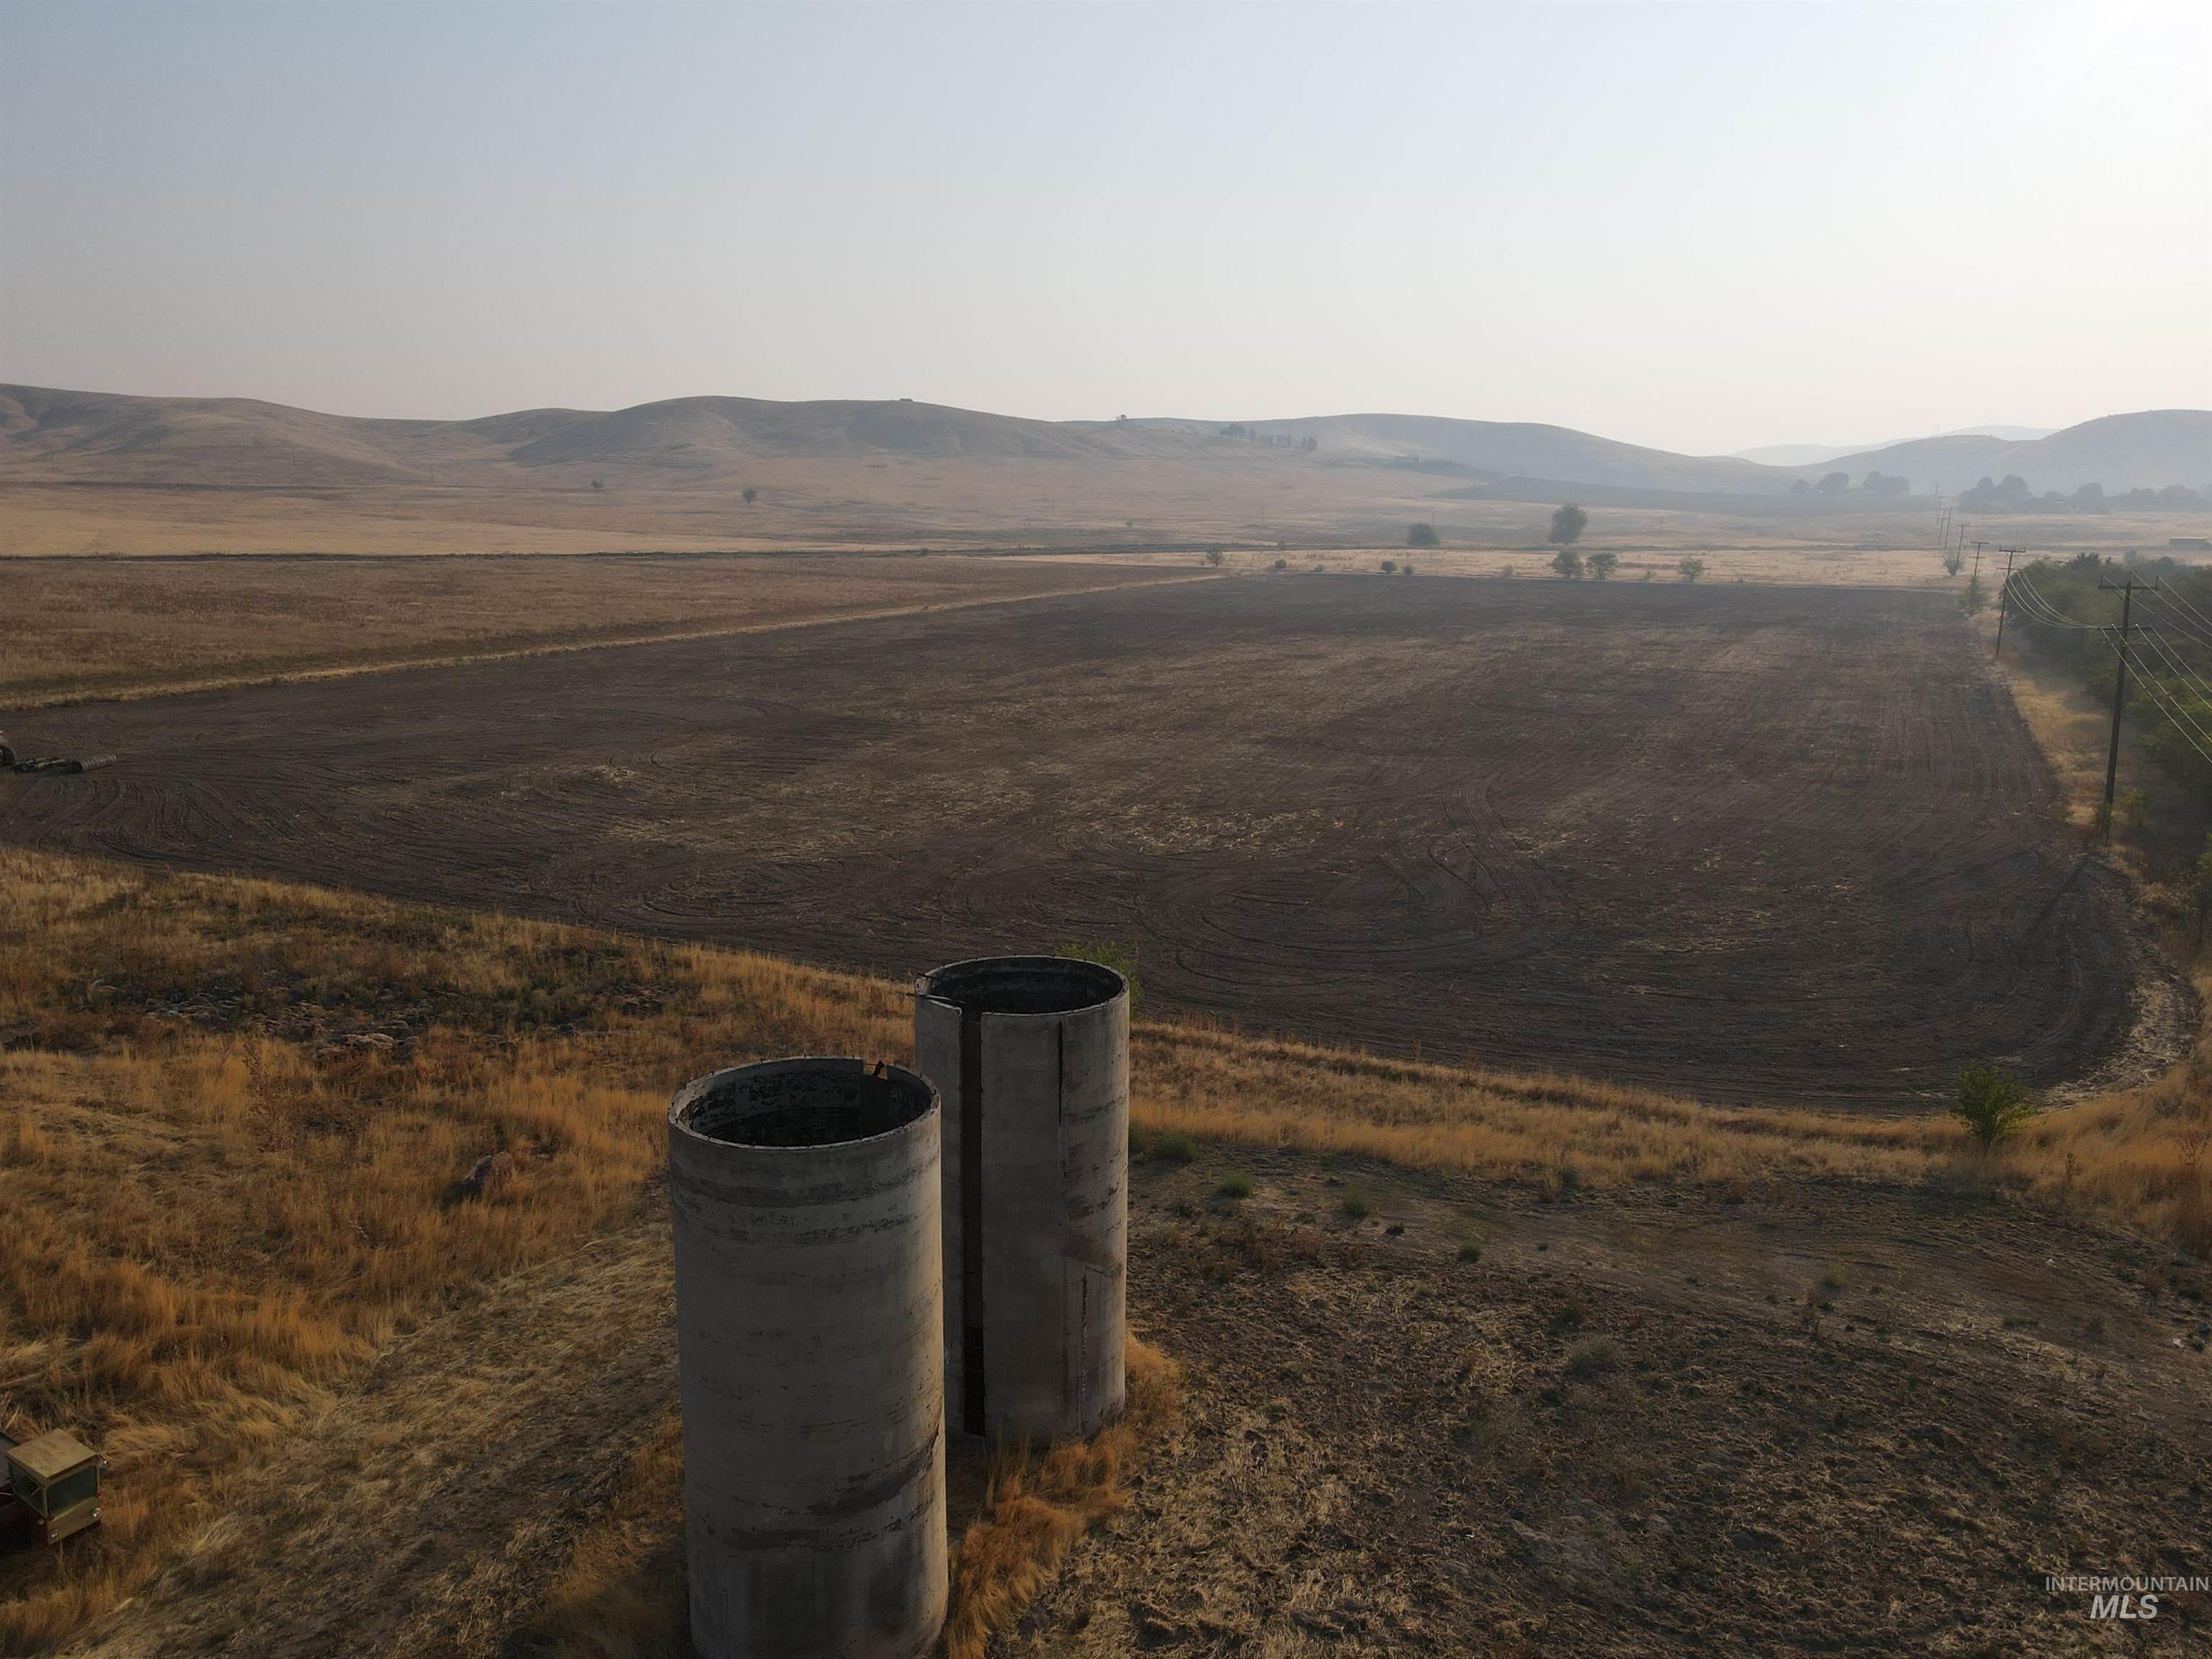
(2004, 595)
(2127, 591)
(1978, 560)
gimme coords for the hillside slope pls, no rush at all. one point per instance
(48, 436)
(2149, 450)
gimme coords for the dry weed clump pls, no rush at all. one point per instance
(2140, 1154)
(1036, 1507)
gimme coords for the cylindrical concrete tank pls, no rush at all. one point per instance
(1031, 1055)
(810, 1350)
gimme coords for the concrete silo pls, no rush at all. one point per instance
(1031, 1056)
(810, 1325)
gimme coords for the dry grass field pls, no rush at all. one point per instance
(350, 1410)
(1331, 514)
(113, 628)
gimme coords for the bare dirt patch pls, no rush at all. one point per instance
(1654, 1422)
(1740, 843)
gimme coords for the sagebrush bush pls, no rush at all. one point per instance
(1993, 1105)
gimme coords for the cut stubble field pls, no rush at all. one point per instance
(1750, 844)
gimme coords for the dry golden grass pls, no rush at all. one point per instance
(1035, 1507)
(1196, 1078)
(123, 627)
(621, 1593)
(233, 1113)
(230, 1126)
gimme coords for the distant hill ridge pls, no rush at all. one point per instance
(59, 436)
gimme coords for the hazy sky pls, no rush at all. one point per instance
(1701, 227)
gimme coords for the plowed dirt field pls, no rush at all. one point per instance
(1743, 842)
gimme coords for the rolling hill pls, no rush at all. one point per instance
(2150, 450)
(51, 436)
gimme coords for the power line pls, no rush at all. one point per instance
(2052, 617)
(2201, 635)
(2177, 665)
(2161, 699)
(2159, 688)
(2168, 596)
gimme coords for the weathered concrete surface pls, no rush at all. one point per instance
(1031, 1055)
(810, 1333)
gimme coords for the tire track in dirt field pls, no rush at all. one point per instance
(1746, 842)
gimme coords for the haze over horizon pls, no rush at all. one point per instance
(1701, 229)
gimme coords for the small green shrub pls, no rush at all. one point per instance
(1357, 1203)
(1835, 1277)
(1992, 1104)
(1175, 1148)
(1470, 1251)
(1118, 954)
(1140, 1141)
(1237, 1184)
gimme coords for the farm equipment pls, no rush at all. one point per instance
(69, 766)
(50, 1489)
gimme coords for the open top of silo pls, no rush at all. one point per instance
(801, 1103)
(1033, 985)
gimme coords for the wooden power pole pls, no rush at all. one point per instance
(2127, 591)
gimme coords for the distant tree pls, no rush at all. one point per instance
(1389, 567)
(1407, 569)
(1834, 485)
(598, 483)
(751, 494)
(1954, 560)
(1692, 569)
(1603, 565)
(1568, 524)
(1213, 557)
(1568, 563)
(1799, 486)
(1886, 483)
(1973, 600)
(1509, 573)
(1310, 443)
(1421, 535)
(1992, 1104)
(2090, 498)
(1282, 564)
